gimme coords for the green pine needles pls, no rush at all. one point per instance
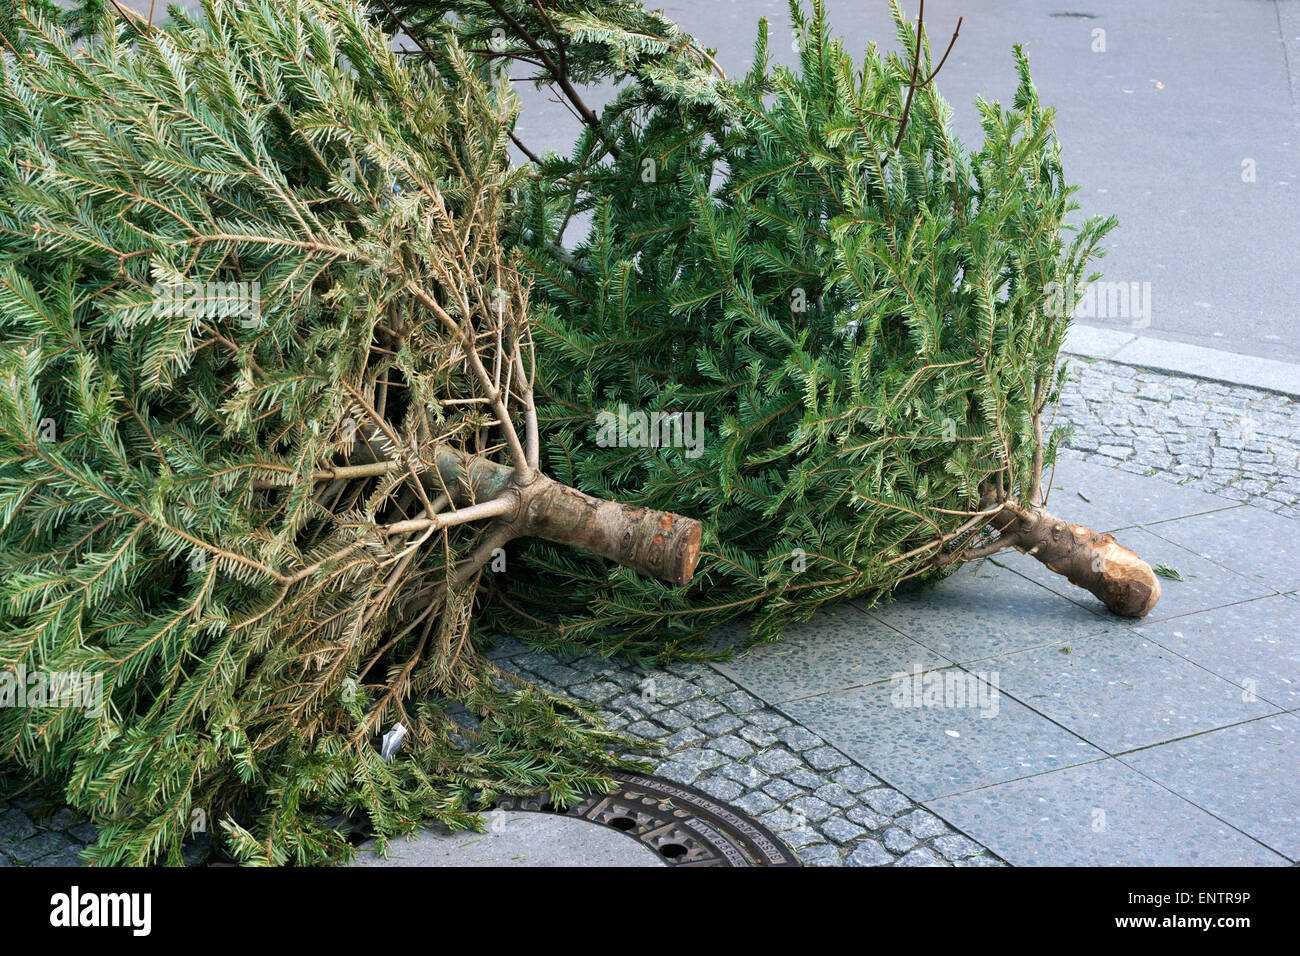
(863, 317)
(262, 355)
(288, 350)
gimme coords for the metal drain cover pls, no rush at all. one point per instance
(683, 825)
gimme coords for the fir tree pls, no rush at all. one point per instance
(866, 315)
(266, 414)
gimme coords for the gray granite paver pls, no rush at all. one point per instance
(984, 610)
(758, 737)
(835, 795)
(776, 761)
(1105, 498)
(805, 778)
(884, 800)
(647, 730)
(686, 737)
(898, 840)
(84, 832)
(1098, 814)
(981, 860)
(1245, 775)
(768, 720)
(854, 779)
(783, 790)
(841, 830)
(799, 738)
(801, 837)
(921, 856)
(675, 720)
(1255, 644)
(739, 702)
(839, 647)
(922, 825)
(868, 818)
(67, 855)
(781, 819)
(747, 776)
(721, 788)
(820, 854)
(1121, 692)
(597, 692)
(666, 689)
(869, 853)
(721, 725)
(826, 758)
(812, 808)
(930, 751)
(1251, 541)
(1238, 443)
(955, 847)
(756, 804)
(732, 746)
(15, 826)
(42, 844)
(700, 709)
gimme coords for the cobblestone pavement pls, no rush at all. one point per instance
(30, 836)
(722, 740)
(1240, 443)
(1237, 442)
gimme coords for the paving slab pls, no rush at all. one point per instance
(838, 648)
(1187, 359)
(929, 749)
(1255, 644)
(1245, 775)
(527, 839)
(1250, 541)
(984, 610)
(1106, 499)
(1121, 691)
(1098, 814)
(1205, 585)
(1092, 341)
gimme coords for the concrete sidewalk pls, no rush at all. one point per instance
(521, 840)
(1005, 714)
(1171, 741)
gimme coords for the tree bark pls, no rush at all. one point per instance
(658, 543)
(1095, 562)
(661, 544)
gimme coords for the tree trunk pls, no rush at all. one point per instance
(658, 543)
(661, 544)
(1095, 562)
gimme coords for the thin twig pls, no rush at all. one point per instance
(911, 86)
(561, 78)
(532, 157)
(944, 59)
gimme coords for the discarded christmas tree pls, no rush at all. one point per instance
(266, 415)
(862, 318)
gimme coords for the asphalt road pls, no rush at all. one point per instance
(1186, 126)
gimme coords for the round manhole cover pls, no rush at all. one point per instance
(683, 825)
